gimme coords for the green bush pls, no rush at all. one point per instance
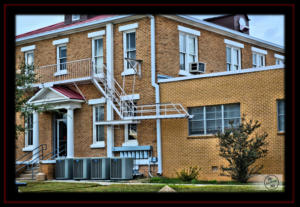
(188, 174)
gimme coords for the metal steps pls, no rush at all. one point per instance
(126, 109)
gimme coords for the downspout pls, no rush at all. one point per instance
(157, 98)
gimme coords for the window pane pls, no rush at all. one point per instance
(191, 58)
(254, 59)
(99, 133)
(99, 47)
(228, 67)
(182, 44)
(228, 55)
(29, 58)
(231, 114)
(182, 61)
(235, 56)
(62, 52)
(192, 46)
(130, 41)
(30, 129)
(196, 124)
(132, 131)
(281, 115)
(99, 113)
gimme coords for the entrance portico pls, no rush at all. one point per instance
(57, 97)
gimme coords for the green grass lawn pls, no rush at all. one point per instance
(33, 186)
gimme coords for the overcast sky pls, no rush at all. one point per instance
(266, 27)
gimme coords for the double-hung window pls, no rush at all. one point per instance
(233, 58)
(29, 58)
(279, 59)
(211, 119)
(188, 52)
(258, 60)
(280, 115)
(233, 55)
(129, 48)
(62, 57)
(98, 128)
(29, 130)
(258, 57)
(98, 55)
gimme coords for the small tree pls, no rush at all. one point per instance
(241, 148)
(25, 78)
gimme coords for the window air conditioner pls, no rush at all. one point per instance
(197, 67)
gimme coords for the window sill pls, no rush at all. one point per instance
(28, 149)
(182, 72)
(98, 145)
(128, 72)
(130, 143)
(62, 72)
(206, 136)
(280, 133)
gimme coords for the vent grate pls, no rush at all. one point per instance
(78, 169)
(116, 168)
(60, 169)
(96, 169)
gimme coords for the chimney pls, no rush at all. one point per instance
(238, 22)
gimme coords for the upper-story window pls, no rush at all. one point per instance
(233, 55)
(187, 50)
(129, 46)
(75, 17)
(98, 55)
(258, 57)
(29, 58)
(279, 59)
(62, 57)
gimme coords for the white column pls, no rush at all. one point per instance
(110, 73)
(35, 134)
(70, 133)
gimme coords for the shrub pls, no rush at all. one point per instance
(241, 148)
(188, 174)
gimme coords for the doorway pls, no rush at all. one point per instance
(61, 148)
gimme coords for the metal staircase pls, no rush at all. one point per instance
(126, 109)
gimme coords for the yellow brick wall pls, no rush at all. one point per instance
(256, 92)
(211, 49)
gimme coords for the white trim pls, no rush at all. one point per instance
(117, 122)
(189, 31)
(75, 19)
(128, 71)
(60, 41)
(43, 85)
(97, 101)
(242, 71)
(96, 34)
(130, 143)
(281, 57)
(28, 148)
(130, 97)
(257, 50)
(48, 161)
(100, 144)
(61, 72)
(233, 43)
(128, 27)
(28, 48)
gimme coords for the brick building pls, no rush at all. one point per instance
(105, 105)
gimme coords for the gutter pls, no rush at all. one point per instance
(157, 96)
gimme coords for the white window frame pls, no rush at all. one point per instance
(279, 59)
(26, 56)
(127, 141)
(232, 48)
(258, 55)
(75, 17)
(128, 71)
(93, 52)
(97, 144)
(204, 120)
(28, 147)
(58, 71)
(186, 35)
(280, 115)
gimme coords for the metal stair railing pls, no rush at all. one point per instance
(37, 153)
(53, 154)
